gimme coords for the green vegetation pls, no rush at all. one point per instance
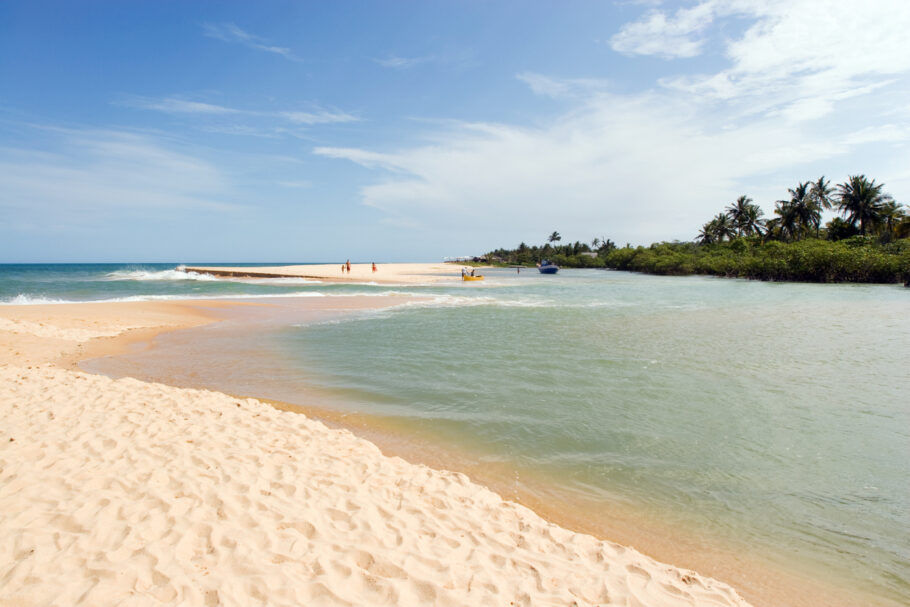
(870, 242)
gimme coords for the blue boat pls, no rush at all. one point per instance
(547, 267)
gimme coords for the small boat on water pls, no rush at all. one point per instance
(547, 267)
(467, 274)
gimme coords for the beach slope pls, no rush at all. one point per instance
(133, 493)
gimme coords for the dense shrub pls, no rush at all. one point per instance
(855, 259)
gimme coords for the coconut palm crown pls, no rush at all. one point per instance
(861, 200)
(746, 216)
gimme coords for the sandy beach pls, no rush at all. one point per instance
(394, 273)
(135, 493)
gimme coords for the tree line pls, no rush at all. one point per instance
(863, 205)
(868, 242)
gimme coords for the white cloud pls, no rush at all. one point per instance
(401, 63)
(229, 32)
(96, 173)
(800, 97)
(177, 106)
(566, 87)
(317, 117)
(670, 36)
(799, 57)
(171, 105)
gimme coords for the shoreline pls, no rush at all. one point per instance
(392, 273)
(757, 577)
(204, 312)
(507, 552)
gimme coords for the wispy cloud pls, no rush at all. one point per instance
(797, 59)
(92, 172)
(664, 35)
(561, 87)
(653, 164)
(171, 105)
(267, 123)
(401, 63)
(319, 116)
(229, 32)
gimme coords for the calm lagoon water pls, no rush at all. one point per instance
(774, 416)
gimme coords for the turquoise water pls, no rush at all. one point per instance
(772, 416)
(59, 283)
(776, 415)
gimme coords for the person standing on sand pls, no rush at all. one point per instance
(374, 266)
(342, 268)
(349, 266)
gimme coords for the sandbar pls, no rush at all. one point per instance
(392, 273)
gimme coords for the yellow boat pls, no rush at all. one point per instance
(467, 277)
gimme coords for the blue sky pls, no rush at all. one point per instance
(399, 131)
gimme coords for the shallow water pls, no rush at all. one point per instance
(772, 417)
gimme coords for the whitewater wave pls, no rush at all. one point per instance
(149, 275)
(25, 300)
(32, 300)
(179, 274)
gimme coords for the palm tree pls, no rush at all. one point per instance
(724, 228)
(821, 197)
(746, 216)
(772, 228)
(861, 200)
(738, 210)
(707, 233)
(891, 213)
(787, 220)
(801, 211)
(752, 222)
(821, 192)
(554, 237)
(595, 243)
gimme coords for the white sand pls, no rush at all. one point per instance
(396, 273)
(131, 493)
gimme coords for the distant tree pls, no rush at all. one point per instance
(838, 229)
(738, 209)
(554, 237)
(892, 214)
(746, 216)
(821, 192)
(724, 228)
(717, 230)
(800, 213)
(706, 234)
(860, 200)
(787, 222)
(595, 243)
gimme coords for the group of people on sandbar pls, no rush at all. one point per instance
(346, 267)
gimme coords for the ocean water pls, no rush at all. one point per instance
(774, 417)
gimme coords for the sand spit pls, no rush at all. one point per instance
(134, 493)
(395, 273)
